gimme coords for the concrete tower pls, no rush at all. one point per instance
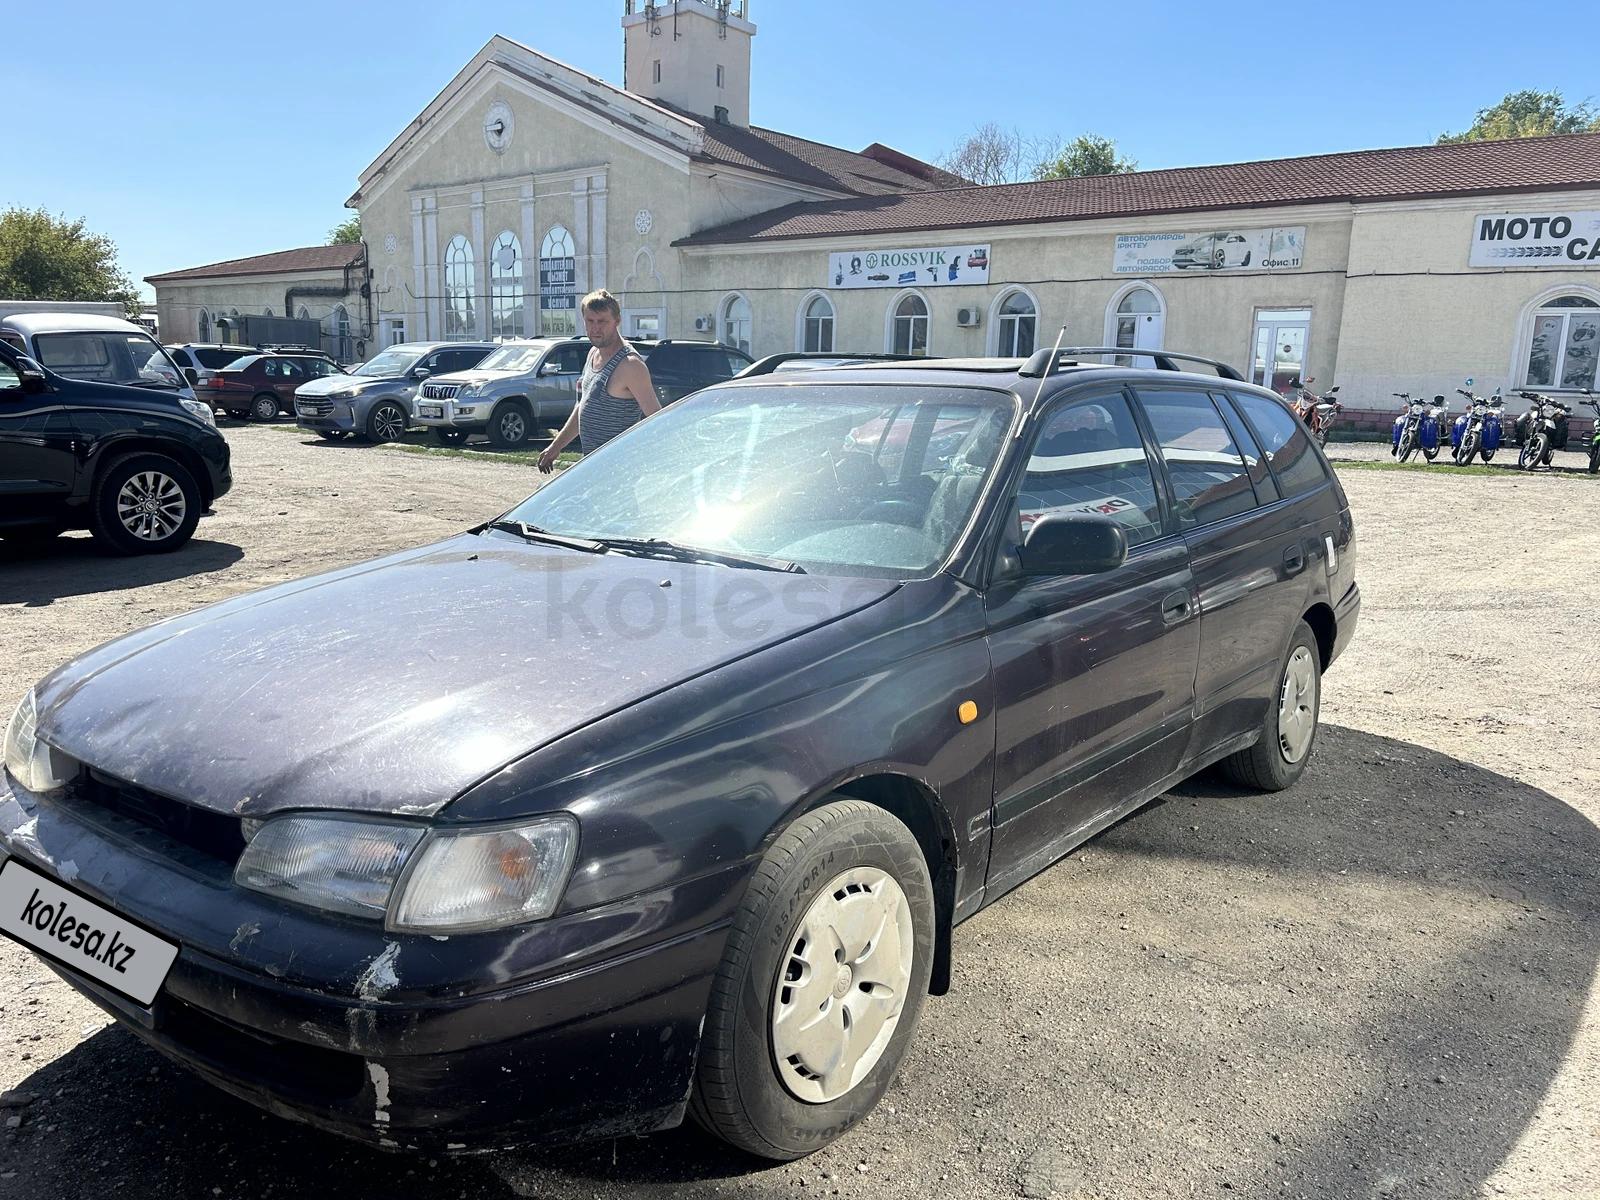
(692, 54)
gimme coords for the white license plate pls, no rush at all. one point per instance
(78, 933)
(431, 410)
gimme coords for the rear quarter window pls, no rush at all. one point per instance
(1297, 465)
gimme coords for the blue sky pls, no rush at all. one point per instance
(193, 132)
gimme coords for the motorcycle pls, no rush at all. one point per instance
(1439, 414)
(1544, 428)
(1318, 412)
(1476, 432)
(1594, 434)
(1415, 428)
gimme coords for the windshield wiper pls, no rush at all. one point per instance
(532, 533)
(662, 548)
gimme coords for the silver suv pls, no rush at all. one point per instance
(522, 386)
(376, 401)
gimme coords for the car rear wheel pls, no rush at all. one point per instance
(1290, 726)
(821, 985)
(264, 407)
(510, 426)
(386, 422)
(144, 504)
(450, 437)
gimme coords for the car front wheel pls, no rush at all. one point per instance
(510, 426)
(386, 422)
(144, 504)
(1290, 725)
(821, 985)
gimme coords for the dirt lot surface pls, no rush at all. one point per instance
(1380, 983)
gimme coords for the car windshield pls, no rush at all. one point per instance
(513, 358)
(109, 357)
(840, 479)
(391, 363)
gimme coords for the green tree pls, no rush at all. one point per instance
(1528, 114)
(346, 232)
(44, 257)
(1086, 154)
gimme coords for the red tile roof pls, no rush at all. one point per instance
(885, 173)
(1525, 165)
(306, 258)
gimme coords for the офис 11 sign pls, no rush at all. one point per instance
(1561, 239)
(939, 266)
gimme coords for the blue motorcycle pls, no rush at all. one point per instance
(1476, 432)
(1416, 428)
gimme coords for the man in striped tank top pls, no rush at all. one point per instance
(615, 392)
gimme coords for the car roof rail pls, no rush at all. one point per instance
(1046, 363)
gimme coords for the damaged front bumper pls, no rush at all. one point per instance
(586, 1025)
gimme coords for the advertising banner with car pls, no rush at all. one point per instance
(1559, 239)
(1222, 250)
(935, 267)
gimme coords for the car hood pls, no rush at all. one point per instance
(334, 383)
(464, 378)
(394, 686)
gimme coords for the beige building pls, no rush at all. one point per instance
(326, 285)
(526, 183)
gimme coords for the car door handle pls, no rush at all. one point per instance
(1175, 607)
(1294, 559)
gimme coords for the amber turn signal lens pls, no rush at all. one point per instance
(968, 712)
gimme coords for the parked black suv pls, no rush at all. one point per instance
(714, 740)
(679, 367)
(130, 464)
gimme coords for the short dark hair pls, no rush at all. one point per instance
(602, 301)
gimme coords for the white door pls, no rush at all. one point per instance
(1138, 324)
(1278, 349)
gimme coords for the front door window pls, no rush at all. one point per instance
(1279, 354)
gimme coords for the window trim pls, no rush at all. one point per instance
(1015, 289)
(1522, 343)
(458, 255)
(507, 289)
(800, 320)
(889, 319)
(723, 306)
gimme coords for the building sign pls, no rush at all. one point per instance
(1223, 250)
(940, 267)
(1563, 239)
(558, 297)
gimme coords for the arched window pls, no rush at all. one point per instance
(1016, 325)
(909, 325)
(460, 284)
(266, 312)
(505, 287)
(736, 324)
(339, 323)
(816, 325)
(558, 284)
(202, 326)
(304, 314)
(1564, 343)
(1136, 322)
(234, 314)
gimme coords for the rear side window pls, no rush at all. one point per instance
(570, 358)
(1089, 458)
(215, 360)
(1294, 462)
(1209, 478)
(1254, 459)
(461, 360)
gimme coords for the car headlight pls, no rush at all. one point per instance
(34, 765)
(343, 394)
(199, 411)
(453, 880)
(466, 390)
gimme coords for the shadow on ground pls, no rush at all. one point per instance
(1363, 986)
(75, 565)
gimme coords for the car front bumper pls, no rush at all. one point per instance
(583, 1026)
(448, 414)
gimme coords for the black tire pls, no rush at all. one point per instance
(1467, 451)
(1246, 261)
(510, 425)
(738, 1093)
(1322, 436)
(386, 422)
(263, 407)
(1430, 455)
(1406, 448)
(1219, 259)
(1266, 766)
(1487, 455)
(450, 437)
(1594, 455)
(114, 525)
(1528, 456)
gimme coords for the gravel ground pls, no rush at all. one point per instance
(1380, 983)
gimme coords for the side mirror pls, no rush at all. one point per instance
(1333, 389)
(192, 376)
(32, 376)
(420, 373)
(550, 368)
(1058, 544)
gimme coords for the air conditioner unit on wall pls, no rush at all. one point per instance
(968, 318)
(702, 324)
